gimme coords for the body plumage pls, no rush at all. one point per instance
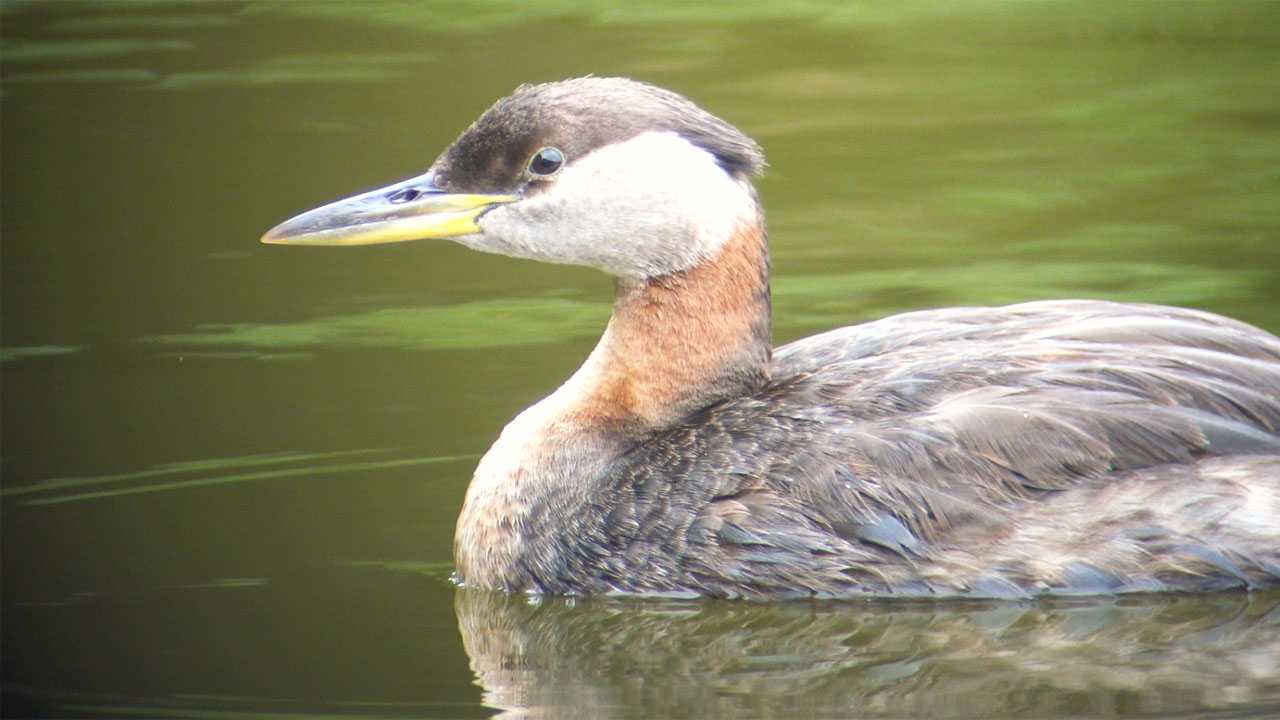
(1058, 447)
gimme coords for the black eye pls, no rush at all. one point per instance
(546, 161)
(404, 196)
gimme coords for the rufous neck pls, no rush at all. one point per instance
(682, 341)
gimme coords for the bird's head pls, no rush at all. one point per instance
(604, 172)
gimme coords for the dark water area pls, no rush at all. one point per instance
(230, 472)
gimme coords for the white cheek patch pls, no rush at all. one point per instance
(648, 206)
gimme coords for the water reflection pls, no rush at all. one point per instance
(319, 68)
(56, 50)
(622, 658)
(481, 324)
(218, 471)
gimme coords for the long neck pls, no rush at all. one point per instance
(675, 344)
(680, 342)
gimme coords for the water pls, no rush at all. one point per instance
(230, 472)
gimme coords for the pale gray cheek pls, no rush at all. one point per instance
(500, 232)
(536, 232)
(482, 242)
(627, 235)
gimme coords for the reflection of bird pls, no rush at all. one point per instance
(1051, 447)
(1162, 656)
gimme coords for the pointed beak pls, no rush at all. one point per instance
(413, 209)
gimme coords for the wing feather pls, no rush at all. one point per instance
(883, 457)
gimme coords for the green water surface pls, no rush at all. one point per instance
(230, 472)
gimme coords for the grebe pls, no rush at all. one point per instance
(1061, 447)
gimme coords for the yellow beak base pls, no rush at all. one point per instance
(409, 210)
